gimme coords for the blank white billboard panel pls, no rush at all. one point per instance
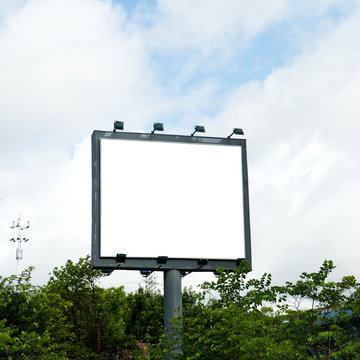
(181, 200)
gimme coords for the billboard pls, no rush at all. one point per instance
(164, 202)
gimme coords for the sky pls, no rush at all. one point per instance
(287, 73)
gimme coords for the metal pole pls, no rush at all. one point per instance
(172, 310)
(19, 239)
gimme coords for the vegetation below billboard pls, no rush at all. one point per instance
(73, 318)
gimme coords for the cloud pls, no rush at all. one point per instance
(191, 38)
(302, 134)
(59, 210)
(68, 67)
(8, 7)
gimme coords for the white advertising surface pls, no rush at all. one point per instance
(181, 200)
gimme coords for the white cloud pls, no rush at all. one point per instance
(56, 200)
(68, 67)
(208, 26)
(211, 29)
(302, 153)
(8, 7)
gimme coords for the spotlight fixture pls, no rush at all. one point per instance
(120, 258)
(162, 260)
(236, 131)
(118, 125)
(145, 273)
(217, 274)
(158, 127)
(198, 128)
(202, 262)
(107, 271)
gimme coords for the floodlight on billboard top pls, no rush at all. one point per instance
(183, 198)
(198, 128)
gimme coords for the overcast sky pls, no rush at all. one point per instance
(288, 73)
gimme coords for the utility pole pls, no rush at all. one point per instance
(19, 239)
(151, 283)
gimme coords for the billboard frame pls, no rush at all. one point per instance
(162, 263)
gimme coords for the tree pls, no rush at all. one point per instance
(252, 319)
(22, 323)
(73, 298)
(15, 295)
(72, 318)
(113, 310)
(326, 326)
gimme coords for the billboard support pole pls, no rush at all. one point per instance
(172, 311)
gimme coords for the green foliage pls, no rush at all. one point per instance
(113, 311)
(146, 316)
(251, 319)
(73, 294)
(246, 318)
(15, 296)
(21, 337)
(327, 324)
(236, 324)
